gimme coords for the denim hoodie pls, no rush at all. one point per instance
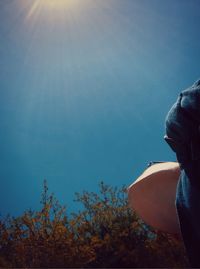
(183, 135)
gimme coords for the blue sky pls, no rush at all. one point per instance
(85, 87)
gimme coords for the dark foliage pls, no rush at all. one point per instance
(106, 233)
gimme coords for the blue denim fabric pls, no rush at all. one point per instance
(182, 134)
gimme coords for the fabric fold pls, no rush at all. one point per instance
(183, 136)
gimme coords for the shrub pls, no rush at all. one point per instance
(106, 233)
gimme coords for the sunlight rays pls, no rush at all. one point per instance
(34, 8)
(51, 7)
(56, 4)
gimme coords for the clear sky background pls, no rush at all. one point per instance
(85, 86)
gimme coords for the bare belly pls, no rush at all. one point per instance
(152, 196)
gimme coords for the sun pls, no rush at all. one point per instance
(55, 6)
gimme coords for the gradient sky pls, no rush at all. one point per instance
(85, 87)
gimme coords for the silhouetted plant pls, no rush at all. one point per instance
(106, 233)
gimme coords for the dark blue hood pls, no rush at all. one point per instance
(183, 136)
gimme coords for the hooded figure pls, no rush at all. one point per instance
(183, 135)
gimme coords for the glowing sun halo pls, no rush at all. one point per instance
(51, 5)
(56, 3)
